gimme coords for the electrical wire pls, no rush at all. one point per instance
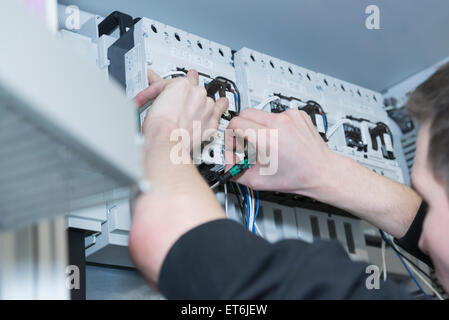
(384, 236)
(248, 204)
(264, 103)
(237, 192)
(245, 204)
(412, 266)
(424, 280)
(248, 209)
(173, 73)
(395, 248)
(416, 267)
(258, 231)
(237, 108)
(257, 210)
(334, 128)
(252, 211)
(238, 102)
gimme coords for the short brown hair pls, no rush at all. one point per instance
(430, 102)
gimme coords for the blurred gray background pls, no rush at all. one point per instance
(327, 36)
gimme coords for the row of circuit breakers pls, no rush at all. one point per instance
(351, 119)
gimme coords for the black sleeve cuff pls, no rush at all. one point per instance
(221, 260)
(410, 241)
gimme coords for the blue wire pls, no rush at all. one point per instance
(236, 100)
(405, 265)
(247, 210)
(257, 211)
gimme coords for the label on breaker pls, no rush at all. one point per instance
(319, 123)
(388, 143)
(231, 99)
(223, 125)
(136, 77)
(213, 153)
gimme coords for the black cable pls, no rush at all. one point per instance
(237, 194)
(314, 103)
(235, 89)
(281, 96)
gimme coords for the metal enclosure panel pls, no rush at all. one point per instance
(59, 126)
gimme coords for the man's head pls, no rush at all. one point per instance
(429, 104)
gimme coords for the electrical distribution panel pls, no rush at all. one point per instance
(349, 118)
(171, 52)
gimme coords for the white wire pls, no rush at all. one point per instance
(264, 103)
(410, 266)
(257, 229)
(334, 128)
(384, 261)
(250, 203)
(252, 211)
(173, 73)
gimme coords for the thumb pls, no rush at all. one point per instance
(153, 77)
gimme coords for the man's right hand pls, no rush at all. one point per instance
(305, 163)
(306, 166)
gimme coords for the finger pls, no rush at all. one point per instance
(230, 159)
(234, 144)
(296, 117)
(308, 121)
(262, 117)
(153, 90)
(252, 178)
(153, 77)
(247, 175)
(244, 124)
(246, 130)
(150, 93)
(209, 109)
(193, 77)
(221, 105)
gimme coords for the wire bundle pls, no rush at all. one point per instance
(410, 267)
(249, 204)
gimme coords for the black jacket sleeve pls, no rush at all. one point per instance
(222, 260)
(410, 241)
